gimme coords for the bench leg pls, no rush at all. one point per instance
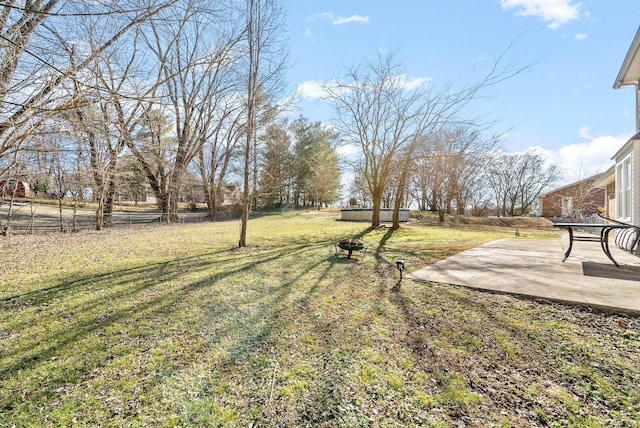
(566, 254)
(604, 242)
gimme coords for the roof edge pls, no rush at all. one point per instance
(626, 145)
(606, 177)
(619, 82)
(593, 178)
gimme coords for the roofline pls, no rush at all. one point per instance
(619, 83)
(626, 145)
(606, 177)
(594, 178)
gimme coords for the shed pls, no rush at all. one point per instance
(14, 188)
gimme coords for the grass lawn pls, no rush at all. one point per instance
(174, 326)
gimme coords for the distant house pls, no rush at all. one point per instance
(231, 194)
(14, 188)
(579, 199)
(607, 182)
(622, 181)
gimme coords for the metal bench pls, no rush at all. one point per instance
(627, 237)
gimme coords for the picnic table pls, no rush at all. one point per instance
(602, 237)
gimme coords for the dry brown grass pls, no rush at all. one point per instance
(173, 326)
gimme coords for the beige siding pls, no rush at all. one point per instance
(611, 201)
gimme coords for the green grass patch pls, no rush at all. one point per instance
(174, 326)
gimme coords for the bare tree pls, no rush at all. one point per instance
(479, 200)
(192, 46)
(449, 165)
(215, 155)
(387, 117)
(34, 64)
(265, 61)
(60, 186)
(380, 114)
(359, 190)
(17, 26)
(8, 193)
(104, 110)
(92, 125)
(518, 179)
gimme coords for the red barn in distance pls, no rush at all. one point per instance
(14, 188)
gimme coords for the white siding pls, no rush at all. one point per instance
(365, 214)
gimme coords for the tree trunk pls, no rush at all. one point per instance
(377, 202)
(108, 202)
(245, 203)
(208, 199)
(74, 216)
(60, 213)
(396, 209)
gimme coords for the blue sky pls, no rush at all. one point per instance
(564, 104)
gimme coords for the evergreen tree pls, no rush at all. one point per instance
(276, 164)
(316, 173)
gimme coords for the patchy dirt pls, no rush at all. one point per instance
(532, 362)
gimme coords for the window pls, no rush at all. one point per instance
(623, 189)
(567, 206)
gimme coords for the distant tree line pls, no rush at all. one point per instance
(460, 172)
(101, 99)
(182, 100)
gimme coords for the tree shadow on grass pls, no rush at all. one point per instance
(43, 295)
(82, 311)
(325, 322)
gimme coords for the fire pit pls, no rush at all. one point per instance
(350, 245)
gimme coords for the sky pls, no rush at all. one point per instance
(563, 105)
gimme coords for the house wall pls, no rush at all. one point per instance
(635, 186)
(551, 205)
(585, 200)
(631, 152)
(637, 108)
(610, 207)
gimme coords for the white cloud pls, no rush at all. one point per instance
(409, 84)
(327, 16)
(555, 12)
(353, 18)
(584, 131)
(311, 89)
(349, 150)
(307, 32)
(340, 20)
(582, 160)
(585, 159)
(580, 36)
(315, 89)
(584, 87)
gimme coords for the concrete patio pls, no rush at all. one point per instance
(534, 267)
